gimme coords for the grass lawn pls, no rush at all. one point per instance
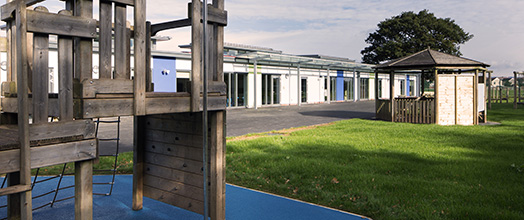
(393, 170)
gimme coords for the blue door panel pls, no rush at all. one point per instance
(340, 85)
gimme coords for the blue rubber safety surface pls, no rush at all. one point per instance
(241, 204)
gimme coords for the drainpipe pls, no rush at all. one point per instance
(255, 86)
(299, 89)
(328, 86)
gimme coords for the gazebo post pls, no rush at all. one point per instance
(514, 90)
(489, 90)
(476, 98)
(392, 93)
(435, 107)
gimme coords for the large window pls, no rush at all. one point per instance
(411, 88)
(364, 88)
(348, 89)
(270, 89)
(303, 89)
(402, 87)
(236, 89)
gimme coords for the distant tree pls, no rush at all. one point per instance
(409, 33)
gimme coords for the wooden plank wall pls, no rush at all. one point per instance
(173, 160)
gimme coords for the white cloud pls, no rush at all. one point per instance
(339, 28)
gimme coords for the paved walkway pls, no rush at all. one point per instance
(243, 121)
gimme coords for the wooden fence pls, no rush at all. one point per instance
(414, 110)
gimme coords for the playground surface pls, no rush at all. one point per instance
(241, 203)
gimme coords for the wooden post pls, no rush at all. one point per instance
(40, 75)
(121, 39)
(514, 90)
(21, 61)
(456, 97)
(476, 98)
(83, 46)
(65, 74)
(435, 107)
(392, 94)
(196, 54)
(218, 163)
(138, 162)
(84, 190)
(219, 33)
(149, 72)
(104, 48)
(489, 90)
(140, 58)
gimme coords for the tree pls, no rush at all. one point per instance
(409, 33)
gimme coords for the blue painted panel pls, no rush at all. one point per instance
(164, 74)
(340, 85)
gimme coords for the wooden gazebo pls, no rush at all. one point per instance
(459, 90)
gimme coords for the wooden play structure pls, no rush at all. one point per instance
(179, 138)
(459, 88)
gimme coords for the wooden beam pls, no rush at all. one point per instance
(215, 15)
(120, 42)
(65, 74)
(90, 88)
(138, 161)
(155, 28)
(149, 71)
(10, 7)
(139, 104)
(83, 51)
(84, 190)
(217, 161)
(125, 2)
(23, 107)
(14, 189)
(50, 155)
(60, 24)
(196, 54)
(105, 32)
(40, 74)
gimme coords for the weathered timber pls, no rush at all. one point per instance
(217, 165)
(83, 47)
(215, 15)
(173, 199)
(9, 8)
(125, 2)
(14, 189)
(138, 161)
(40, 71)
(49, 155)
(177, 188)
(23, 106)
(105, 32)
(139, 103)
(121, 44)
(91, 87)
(196, 54)
(84, 190)
(174, 150)
(65, 74)
(185, 165)
(59, 24)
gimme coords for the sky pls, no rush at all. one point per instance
(339, 28)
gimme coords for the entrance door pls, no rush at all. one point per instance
(236, 89)
(270, 89)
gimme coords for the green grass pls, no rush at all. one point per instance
(393, 170)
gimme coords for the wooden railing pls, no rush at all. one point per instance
(383, 109)
(414, 110)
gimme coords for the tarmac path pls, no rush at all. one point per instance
(241, 121)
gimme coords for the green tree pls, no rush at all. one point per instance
(409, 33)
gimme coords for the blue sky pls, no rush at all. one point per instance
(339, 28)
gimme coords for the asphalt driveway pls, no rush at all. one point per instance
(241, 121)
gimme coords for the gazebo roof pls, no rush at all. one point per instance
(429, 58)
